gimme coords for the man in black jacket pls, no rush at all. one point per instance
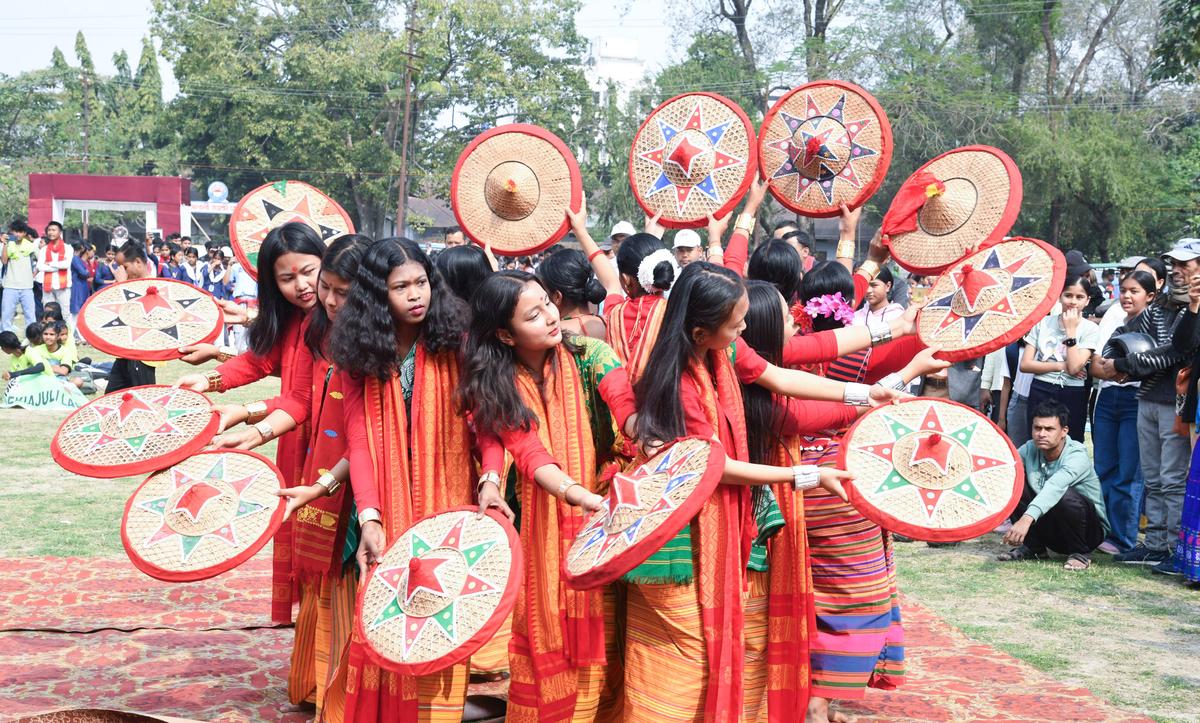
(1165, 454)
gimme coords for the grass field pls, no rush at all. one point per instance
(1131, 637)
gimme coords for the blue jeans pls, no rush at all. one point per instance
(1116, 453)
(8, 308)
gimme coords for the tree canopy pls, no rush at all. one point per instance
(1096, 100)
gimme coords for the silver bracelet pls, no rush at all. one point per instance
(805, 477)
(370, 514)
(880, 334)
(857, 395)
(893, 381)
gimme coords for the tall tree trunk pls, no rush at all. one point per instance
(1055, 222)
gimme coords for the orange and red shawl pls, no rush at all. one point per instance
(791, 615)
(321, 524)
(721, 537)
(419, 468)
(564, 627)
(633, 326)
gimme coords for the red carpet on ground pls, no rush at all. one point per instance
(96, 633)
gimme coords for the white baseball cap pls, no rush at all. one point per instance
(622, 228)
(686, 238)
(227, 252)
(1185, 249)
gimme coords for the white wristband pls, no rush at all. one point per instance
(857, 395)
(805, 477)
(370, 514)
(892, 381)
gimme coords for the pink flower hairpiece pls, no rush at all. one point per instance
(833, 306)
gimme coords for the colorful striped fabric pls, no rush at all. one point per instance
(666, 670)
(335, 621)
(754, 635)
(302, 676)
(670, 564)
(768, 519)
(859, 640)
(1187, 549)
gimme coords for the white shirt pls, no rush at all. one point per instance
(866, 317)
(48, 268)
(995, 370)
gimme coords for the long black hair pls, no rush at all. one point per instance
(274, 311)
(463, 268)
(777, 262)
(1144, 279)
(703, 298)
(568, 272)
(764, 334)
(630, 255)
(827, 278)
(364, 334)
(341, 259)
(487, 389)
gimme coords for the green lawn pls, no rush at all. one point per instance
(45, 510)
(1130, 637)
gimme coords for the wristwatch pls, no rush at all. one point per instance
(1070, 341)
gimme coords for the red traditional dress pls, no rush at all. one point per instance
(559, 648)
(410, 456)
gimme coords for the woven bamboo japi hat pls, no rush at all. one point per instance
(512, 186)
(441, 591)
(931, 469)
(991, 298)
(203, 516)
(693, 156)
(134, 431)
(645, 508)
(824, 144)
(149, 319)
(274, 204)
(961, 201)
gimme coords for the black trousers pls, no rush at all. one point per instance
(1075, 399)
(1070, 527)
(128, 373)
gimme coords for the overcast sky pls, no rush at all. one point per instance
(29, 31)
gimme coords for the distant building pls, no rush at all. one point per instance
(428, 219)
(615, 61)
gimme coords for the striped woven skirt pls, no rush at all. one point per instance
(754, 634)
(1187, 549)
(666, 667)
(859, 641)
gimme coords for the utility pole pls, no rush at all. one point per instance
(411, 31)
(86, 84)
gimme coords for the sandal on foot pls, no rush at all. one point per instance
(1020, 554)
(1077, 563)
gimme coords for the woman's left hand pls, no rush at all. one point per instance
(298, 497)
(198, 353)
(882, 395)
(831, 480)
(230, 415)
(491, 498)
(247, 438)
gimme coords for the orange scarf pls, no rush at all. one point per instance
(724, 531)
(419, 469)
(564, 627)
(53, 280)
(791, 616)
(633, 327)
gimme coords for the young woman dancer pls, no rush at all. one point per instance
(688, 629)
(554, 400)
(325, 523)
(1114, 426)
(574, 288)
(859, 640)
(288, 262)
(783, 431)
(396, 342)
(1057, 352)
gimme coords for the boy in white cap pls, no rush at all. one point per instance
(687, 247)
